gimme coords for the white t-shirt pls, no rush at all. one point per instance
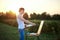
(21, 24)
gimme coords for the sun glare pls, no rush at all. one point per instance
(37, 6)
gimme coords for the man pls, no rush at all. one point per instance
(21, 25)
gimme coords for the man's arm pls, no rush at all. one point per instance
(26, 21)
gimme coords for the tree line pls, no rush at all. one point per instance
(42, 16)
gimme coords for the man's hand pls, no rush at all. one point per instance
(33, 24)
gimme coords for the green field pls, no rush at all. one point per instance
(11, 33)
(8, 32)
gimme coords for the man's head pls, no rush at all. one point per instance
(21, 10)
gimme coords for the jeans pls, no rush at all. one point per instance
(21, 34)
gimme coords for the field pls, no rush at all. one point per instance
(8, 32)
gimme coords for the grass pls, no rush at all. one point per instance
(11, 33)
(8, 33)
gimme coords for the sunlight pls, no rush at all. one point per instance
(37, 6)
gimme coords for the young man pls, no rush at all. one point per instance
(21, 25)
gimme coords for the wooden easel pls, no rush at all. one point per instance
(38, 32)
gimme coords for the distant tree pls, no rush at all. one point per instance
(1, 13)
(48, 17)
(25, 16)
(38, 16)
(10, 15)
(43, 15)
(56, 17)
(33, 16)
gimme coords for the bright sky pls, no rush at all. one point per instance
(38, 6)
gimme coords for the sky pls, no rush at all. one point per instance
(37, 6)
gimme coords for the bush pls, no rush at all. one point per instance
(48, 27)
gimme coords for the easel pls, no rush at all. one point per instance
(38, 32)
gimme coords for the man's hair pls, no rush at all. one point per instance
(21, 9)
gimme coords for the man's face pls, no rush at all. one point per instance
(22, 11)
